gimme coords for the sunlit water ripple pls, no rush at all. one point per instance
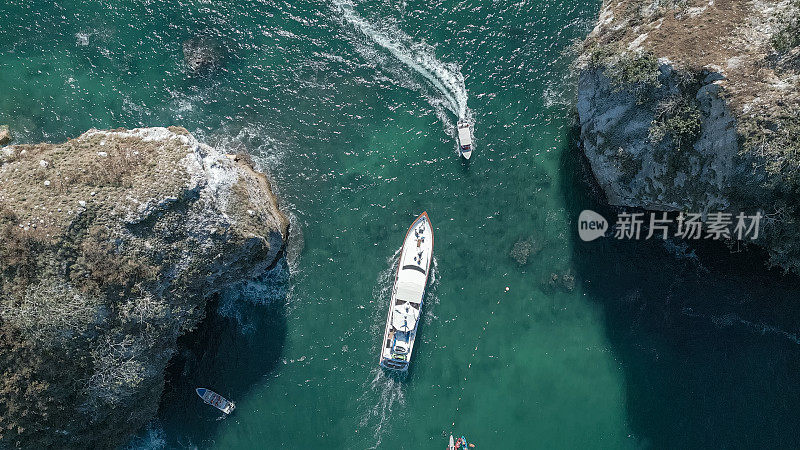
(349, 106)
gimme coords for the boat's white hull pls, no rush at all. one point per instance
(217, 401)
(464, 134)
(408, 291)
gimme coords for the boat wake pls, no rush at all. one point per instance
(388, 391)
(445, 78)
(431, 299)
(384, 391)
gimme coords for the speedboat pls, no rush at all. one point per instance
(216, 400)
(407, 293)
(464, 138)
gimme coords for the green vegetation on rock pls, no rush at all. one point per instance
(777, 142)
(110, 246)
(678, 118)
(788, 36)
(626, 68)
(637, 72)
(5, 135)
(721, 114)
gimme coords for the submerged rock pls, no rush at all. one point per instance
(695, 106)
(105, 266)
(523, 249)
(202, 54)
(564, 281)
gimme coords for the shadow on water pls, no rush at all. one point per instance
(707, 339)
(234, 348)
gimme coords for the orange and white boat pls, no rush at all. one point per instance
(407, 295)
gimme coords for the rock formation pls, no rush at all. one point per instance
(110, 246)
(695, 106)
(5, 135)
(202, 54)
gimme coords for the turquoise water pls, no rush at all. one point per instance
(350, 107)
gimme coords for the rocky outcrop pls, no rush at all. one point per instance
(5, 135)
(110, 246)
(695, 106)
(202, 55)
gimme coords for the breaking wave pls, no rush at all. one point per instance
(152, 437)
(272, 286)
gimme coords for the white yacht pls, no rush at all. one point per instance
(464, 138)
(407, 294)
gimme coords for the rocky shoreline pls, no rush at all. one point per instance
(112, 244)
(695, 106)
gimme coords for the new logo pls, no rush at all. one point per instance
(591, 225)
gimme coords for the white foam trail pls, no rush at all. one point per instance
(431, 299)
(444, 77)
(388, 388)
(152, 438)
(434, 273)
(390, 392)
(383, 392)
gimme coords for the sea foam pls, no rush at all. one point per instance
(445, 78)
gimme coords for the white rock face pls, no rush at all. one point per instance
(635, 170)
(696, 106)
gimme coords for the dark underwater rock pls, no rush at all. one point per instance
(202, 54)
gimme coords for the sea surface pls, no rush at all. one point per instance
(529, 337)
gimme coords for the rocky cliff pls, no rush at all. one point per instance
(689, 105)
(110, 246)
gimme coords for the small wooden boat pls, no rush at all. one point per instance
(216, 400)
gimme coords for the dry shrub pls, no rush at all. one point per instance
(115, 169)
(34, 394)
(119, 368)
(103, 268)
(18, 249)
(51, 312)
